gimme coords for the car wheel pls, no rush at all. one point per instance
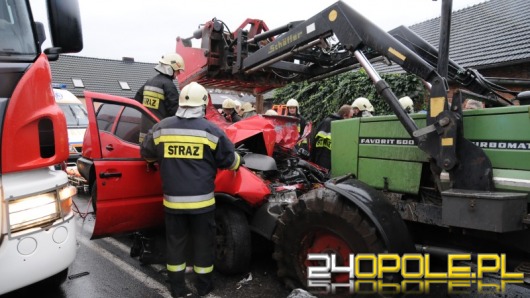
(233, 245)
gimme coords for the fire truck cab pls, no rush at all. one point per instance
(37, 227)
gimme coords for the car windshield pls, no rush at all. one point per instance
(76, 114)
(16, 33)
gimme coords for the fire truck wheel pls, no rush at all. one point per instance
(233, 247)
(54, 281)
(321, 222)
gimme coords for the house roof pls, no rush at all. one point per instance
(491, 33)
(101, 75)
(488, 33)
(104, 75)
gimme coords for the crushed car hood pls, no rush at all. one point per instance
(271, 130)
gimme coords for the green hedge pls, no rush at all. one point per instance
(319, 99)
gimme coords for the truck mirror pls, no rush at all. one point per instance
(65, 25)
(52, 53)
(41, 34)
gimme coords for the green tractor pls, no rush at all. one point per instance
(447, 181)
(379, 152)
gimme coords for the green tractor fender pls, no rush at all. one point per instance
(379, 210)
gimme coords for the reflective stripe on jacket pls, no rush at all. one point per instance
(189, 151)
(160, 95)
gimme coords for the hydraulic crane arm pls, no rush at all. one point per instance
(351, 29)
(331, 42)
(470, 79)
(305, 51)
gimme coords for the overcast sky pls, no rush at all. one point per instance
(145, 30)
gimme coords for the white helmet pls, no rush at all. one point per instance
(292, 103)
(407, 104)
(363, 104)
(193, 95)
(271, 112)
(228, 104)
(247, 107)
(471, 104)
(174, 60)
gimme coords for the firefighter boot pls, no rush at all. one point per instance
(204, 284)
(177, 283)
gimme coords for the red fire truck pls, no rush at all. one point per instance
(37, 229)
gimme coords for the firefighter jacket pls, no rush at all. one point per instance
(160, 95)
(233, 117)
(301, 128)
(321, 142)
(189, 152)
(301, 123)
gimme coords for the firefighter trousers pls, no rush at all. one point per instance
(200, 230)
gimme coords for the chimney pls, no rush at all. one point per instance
(127, 59)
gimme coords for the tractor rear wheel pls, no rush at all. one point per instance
(321, 222)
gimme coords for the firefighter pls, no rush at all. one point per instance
(472, 104)
(229, 111)
(293, 110)
(362, 105)
(189, 150)
(247, 110)
(321, 142)
(407, 104)
(237, 104)
(271, 112)
(159, 94)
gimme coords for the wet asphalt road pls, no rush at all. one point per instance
(103, 268)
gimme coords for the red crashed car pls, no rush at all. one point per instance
(127, 193)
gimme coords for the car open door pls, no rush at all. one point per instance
(128, 192)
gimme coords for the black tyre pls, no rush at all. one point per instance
(321, 222)
(93, 196)
(56, 280)
(136, 247)
(233, 245)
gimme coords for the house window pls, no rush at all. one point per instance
(78, 83)
(124, 85)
